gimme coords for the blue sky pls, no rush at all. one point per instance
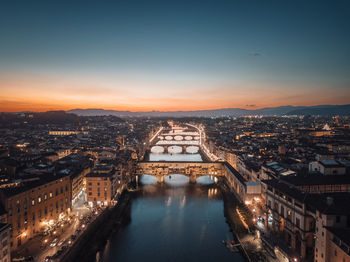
(149, 55)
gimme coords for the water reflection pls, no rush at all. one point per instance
(205, 180)
(173, 223)
(148, 180)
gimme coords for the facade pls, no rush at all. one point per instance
(102, 188)
(332, 224)
(32, 206)
(5, 253)
(78, 183)
(338, 245)
(327, 167)
(292, 220)
(311, 224)
(66, 132)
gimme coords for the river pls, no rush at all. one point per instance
(173, 221)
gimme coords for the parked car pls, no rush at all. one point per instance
(61, 242)
(54, 242)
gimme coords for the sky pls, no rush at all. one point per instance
(173, 55)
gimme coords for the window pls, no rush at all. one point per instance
(335, 252)
(33, 202)
(50, 194)
(39, 199)
(298, 204)
(61, 190)
(45, 196)
(90, 194)
(297, 222)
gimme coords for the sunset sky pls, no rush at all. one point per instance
(173, 55)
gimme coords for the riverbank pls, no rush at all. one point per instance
(95, 236)
(244, 232)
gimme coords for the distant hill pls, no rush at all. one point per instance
(326, 110)
(341, 110)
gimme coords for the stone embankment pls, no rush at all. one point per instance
(95, 236)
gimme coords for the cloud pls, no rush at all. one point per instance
(250, 105)
(255, 54)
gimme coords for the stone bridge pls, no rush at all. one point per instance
(238, 185)
(193, 170)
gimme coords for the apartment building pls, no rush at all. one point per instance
(31, 206)
(5, 253)
(103, 185)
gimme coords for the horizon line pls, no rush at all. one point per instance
(170, 111)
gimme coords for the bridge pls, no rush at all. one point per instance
(163, 140)
(193, 170)
(243, 189)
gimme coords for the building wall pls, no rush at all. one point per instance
(291, 221)
(30, 211)
(323, 238)
(78, 183)
(5, 253)
(336, 254)
(98, 190)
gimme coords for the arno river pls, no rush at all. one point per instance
(173, 221)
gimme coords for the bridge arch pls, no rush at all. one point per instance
(157, 149)
(176, 179)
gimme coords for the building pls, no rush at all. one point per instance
(332, 216)
(327, 167)
(66, 132)
(34, 205)
(292, 221)
(338, 245)
(308, 223)
(103, 186)
(5, 253)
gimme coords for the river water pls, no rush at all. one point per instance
(173, 221)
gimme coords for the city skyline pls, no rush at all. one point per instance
(170, 56)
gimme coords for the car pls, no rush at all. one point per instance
(54, 242)
(48, 259)
(61, 242)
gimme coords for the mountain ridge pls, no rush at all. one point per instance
(323, 110)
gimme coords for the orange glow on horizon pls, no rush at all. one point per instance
(29, 93)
